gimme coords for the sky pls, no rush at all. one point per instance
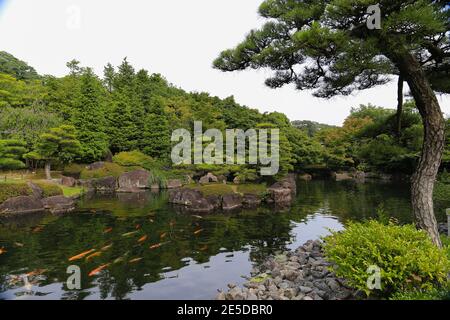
(177, 38)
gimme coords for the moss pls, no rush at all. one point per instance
(11, 190)
(49, 189)
(108, 170)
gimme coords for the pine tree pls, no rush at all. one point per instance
(89, 118)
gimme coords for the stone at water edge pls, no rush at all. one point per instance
(59, 204)
(231, 201)
(134, 181)
(21, 205)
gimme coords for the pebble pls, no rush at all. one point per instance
(302, 274)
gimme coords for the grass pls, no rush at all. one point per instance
(221, 189)
(14, 185)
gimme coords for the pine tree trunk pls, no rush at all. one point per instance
(424, 178)
(48, 170)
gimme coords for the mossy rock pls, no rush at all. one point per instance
(107, 170)
(11, 190)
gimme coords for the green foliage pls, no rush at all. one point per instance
(247, 175)
(134, 159)
(11, 190)
(16, 68)
(59, 144)
(406, 256)
(73, 170)
(89, 118)
(432, 294)
(108, 170)
(11, 154)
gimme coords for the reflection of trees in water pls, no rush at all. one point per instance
(260, 232)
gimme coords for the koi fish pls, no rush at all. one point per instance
(198, 217)
(81, 255)
(129, 234)
(38, 229)
(151, 220)
(108, 230)
(163, 235)
(138, 226)
(121, 259)
(142, 239)
(198, 231)
(3, 250)
(18, 244)
(155, 246)
(205, 247)
(135, 260)
(97, 270)
(95, 254)
(172, 223)
(106, 247)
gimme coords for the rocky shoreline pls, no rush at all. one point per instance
(303, 274)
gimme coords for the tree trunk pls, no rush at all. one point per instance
(48, 170)
(399, 106)
(424, 178)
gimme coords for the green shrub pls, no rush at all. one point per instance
(49, 189)
(134, 159)
(108, 170)
(406, 256)
(432, 294)
(11, 190)
(73, 170)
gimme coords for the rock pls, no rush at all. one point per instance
(96, 165)
(215, 201)
(304, 289)
(209, 178)
(251, 200)
(231, 201)
(134, 181)
(68, 181)
(59, 204)
(307, 298)
(222, 179)
(86, 183)
(280, 196)
(341, 176)
(235, 294)
(38, 193)
(237, 180)
(107, 184)
(221, 296)
(305, 177)
(174, 183)
(21, 205)
(191, 199)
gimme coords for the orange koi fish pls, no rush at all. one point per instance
(108, 230)
(97, 270)
(36, 272)
(95, 254)
(163, 235)
(142, 239)
(135, 260)
(3, 250)
(81, 255)
(198, 231)
(107, 247)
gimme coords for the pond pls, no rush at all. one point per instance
(148, 250)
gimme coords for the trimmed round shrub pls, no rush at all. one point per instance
(133, 159)
(108, 170)
(406, 257)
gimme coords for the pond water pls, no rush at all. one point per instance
(149, 250)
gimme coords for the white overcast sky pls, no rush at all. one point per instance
(177, 38)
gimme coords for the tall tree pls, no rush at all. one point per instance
(327, 46)
(89, 118)
(11, 154)
(156, 134)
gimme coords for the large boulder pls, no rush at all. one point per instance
(134, 181)
(59, 204)
(21, 205)
(37, 191)
(251, 200)
(341, 176)
(215, 201)
(107, 184)
(280, 196)
(96, 165)
(231, 201)
(286, 183)
(174, 183)
(209, 178)
(68, 181)
(192, 200)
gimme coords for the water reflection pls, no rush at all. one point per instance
(154, 252)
